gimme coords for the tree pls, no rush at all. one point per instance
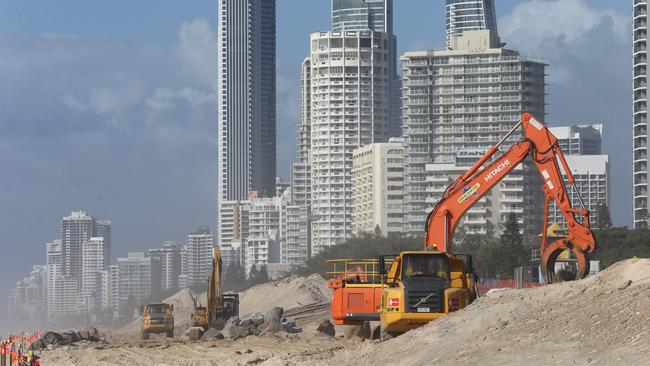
(263, 275)
(604, 220)
(377, 231)
(235, 277)
(253, 276)
(510, 250)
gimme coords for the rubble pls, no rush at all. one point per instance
(326, 327)
(54, 339)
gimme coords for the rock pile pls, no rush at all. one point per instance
(54, 339)
(256, 324)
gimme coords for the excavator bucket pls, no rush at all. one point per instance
(550, 256)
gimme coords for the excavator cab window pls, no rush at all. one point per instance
(426, 265)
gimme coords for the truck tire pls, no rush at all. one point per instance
(145, 335)
(170, 334)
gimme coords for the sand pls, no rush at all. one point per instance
(603, 320)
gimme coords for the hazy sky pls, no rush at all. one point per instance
(109, 106)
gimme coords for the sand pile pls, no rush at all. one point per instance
(289, 293)
(603, 320)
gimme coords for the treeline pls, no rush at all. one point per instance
(495, 256)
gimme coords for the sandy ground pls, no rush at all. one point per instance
(603, 320)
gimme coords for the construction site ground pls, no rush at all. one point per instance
(602, 320)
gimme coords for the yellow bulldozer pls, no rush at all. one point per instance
(219, 307)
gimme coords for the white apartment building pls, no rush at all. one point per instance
(199, 256)
(110, 287)
(263, 241)
(93, 259)
(467, 99)
(591, 174)
(640, 112)
(54, 263)
(233, 217)
(350, 84)
(28, 300)
(581, 139)
(134, 281)
(378, 188)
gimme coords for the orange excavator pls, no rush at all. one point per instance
(416, 287)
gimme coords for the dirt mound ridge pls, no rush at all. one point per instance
(603, 320)
(183, 307)
(289, 293)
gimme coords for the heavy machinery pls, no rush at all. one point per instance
(423, 285)
(157, 319)
(219, 307)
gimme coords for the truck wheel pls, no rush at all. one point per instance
(145, 335)
(170, 334)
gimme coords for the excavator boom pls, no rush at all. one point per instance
(540, 144)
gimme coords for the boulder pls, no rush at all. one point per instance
(358, 331)
(84, 334)
(212, 333)
(326, 327)
(51, 338)
(93, 335)
(194, 333)
(290, 326)
(272, 321)
(257, 318)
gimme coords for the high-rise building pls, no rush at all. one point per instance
(350, 108)
(54, 263)
(246, 58)
(640, 113)
(591, 173)
(378, 188)
(263, 241)
(75, 230)
(28, 300)
(464, 15)
(110, 287)
(362, 15)
(233, 233)
(93, 260)
(199, 255)
(579, 139)
(461, 102)
(169, 257)
(134, 281)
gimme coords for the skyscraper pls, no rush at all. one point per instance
(353, 15)
(75, 230)
(463, 15)
(640, 117)
(246, 98)
(199, 255)
(349, 108)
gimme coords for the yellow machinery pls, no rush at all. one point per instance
(424, 285)
(403, 291)
(219, 307)
(157, 319)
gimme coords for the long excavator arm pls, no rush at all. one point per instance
(540, 144)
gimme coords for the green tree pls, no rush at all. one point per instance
(378, 231)
(604, 220)
(253, 276)
(510, 249)
(235, 277)
(263, 276)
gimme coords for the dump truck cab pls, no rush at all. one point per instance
(424, 285)
(157, 319)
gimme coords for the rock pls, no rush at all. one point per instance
(212, 333)
(233, 321)
(51, 338)
(93, 335)
(84, 334)
(37, 345)
(326, 327)
(290, 326)
(358, 331)
(194, 333)
(257, 318)
(272, 321)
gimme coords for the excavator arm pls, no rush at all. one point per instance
(540, 144)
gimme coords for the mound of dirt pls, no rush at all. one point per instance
(289, 293)
(602, 320)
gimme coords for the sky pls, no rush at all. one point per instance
(110, 107)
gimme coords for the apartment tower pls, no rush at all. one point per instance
(463, 15)
(640, 114)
